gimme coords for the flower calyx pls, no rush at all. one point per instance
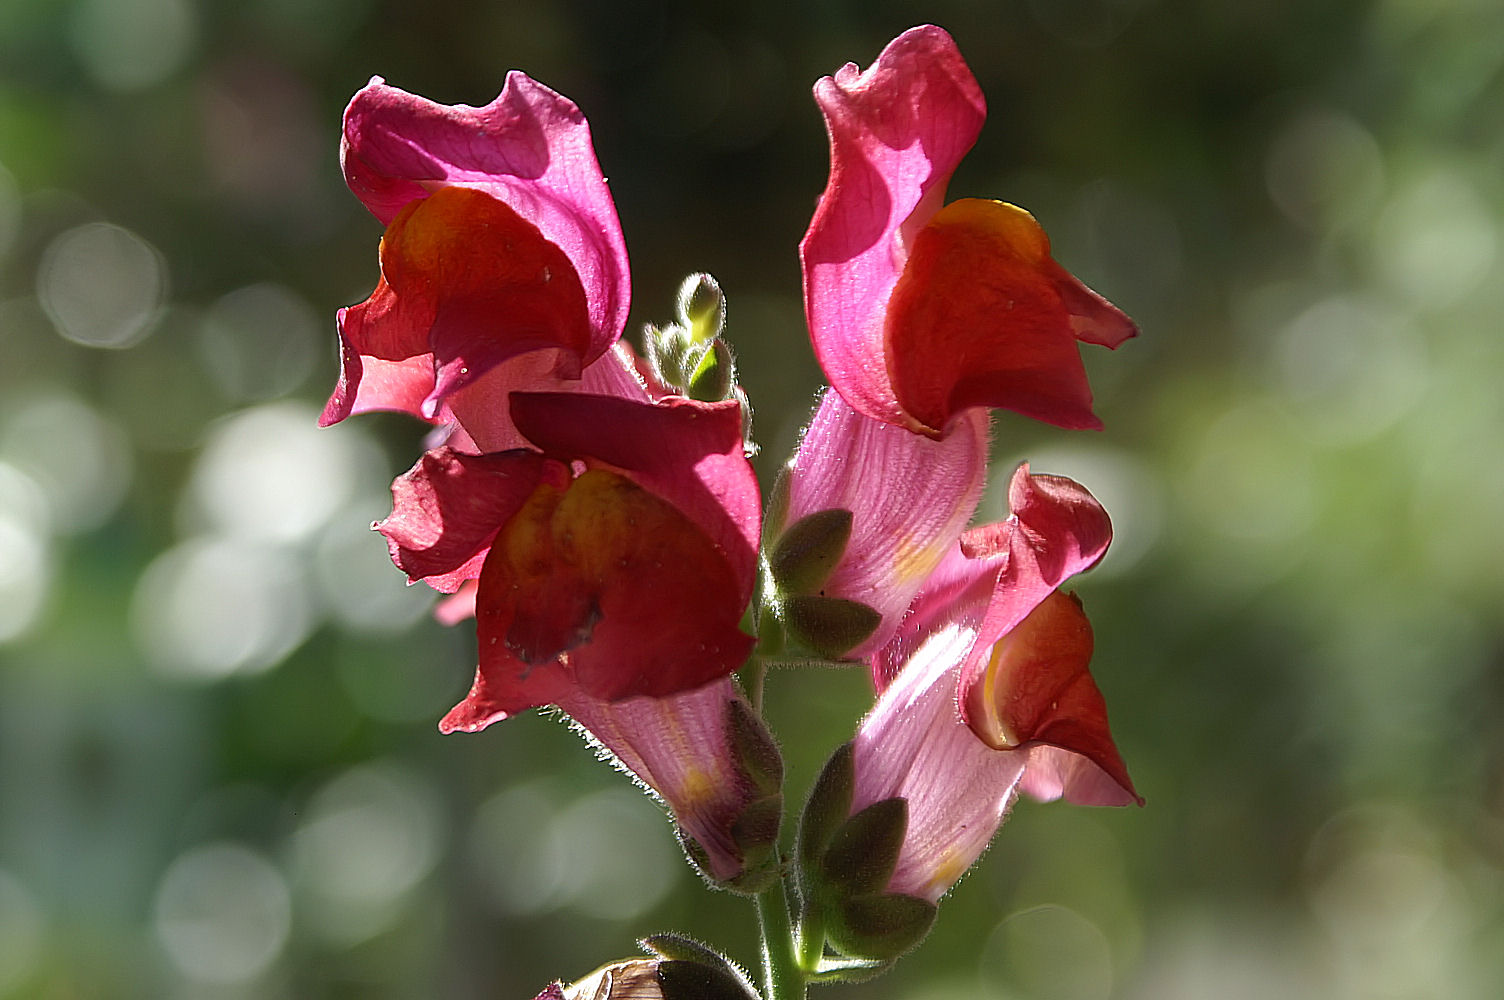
(845, 863)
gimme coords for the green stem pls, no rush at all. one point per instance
(757, 672)
(782, 979)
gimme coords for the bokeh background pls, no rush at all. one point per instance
(219, 770)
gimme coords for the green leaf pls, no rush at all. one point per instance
(804, 556)
(864, 850)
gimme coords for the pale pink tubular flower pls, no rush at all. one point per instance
(502, 248)
(910, 497)
(684, 749)
(920, 310)
(985, 689)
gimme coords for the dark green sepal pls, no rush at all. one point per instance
(864, 850)
(776, 511)
(682, 947)
(828, 807)
(805, 554)
(757, 826)
(754, 747)
(879, 928)
(829, 626)
(683, 980)
(699, 858)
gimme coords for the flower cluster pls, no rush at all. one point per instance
(596, 513)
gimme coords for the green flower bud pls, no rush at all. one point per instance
(702, 307)
(713, 375)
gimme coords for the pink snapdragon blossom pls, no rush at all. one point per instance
(703, 754)
(986, 692)
(910, 497)
(502, 248)
(920, 310)
(612, 558)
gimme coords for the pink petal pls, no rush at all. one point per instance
(368, 383)
(484, 411)
(461, 604)
(1053, 772)
(448, 506)
(680, 748)
(529, 148)
(897, 132)
(689, 453)
(910, 497)
(914, 745)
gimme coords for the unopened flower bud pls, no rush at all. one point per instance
(702, 307)
(668, 351)
(714, 374)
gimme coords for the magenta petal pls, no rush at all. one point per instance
(367, 383)
(910, 497)
(483, 410)
(897, 132)
(914, 745)
(529, 148)
(1056, 530)
(689, 453)
(679, 747)
(448, 506)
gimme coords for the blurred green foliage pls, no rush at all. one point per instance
(219, 770)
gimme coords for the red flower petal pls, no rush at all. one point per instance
(468, 280)
(605, 589)
(1036, 688)
(897, 132)
(447, 507)
(983, 316)
(529, 149)
(687, 452)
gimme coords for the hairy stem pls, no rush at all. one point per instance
(782, 979)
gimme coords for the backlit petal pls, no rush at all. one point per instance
(910, 498)
(983, 316)
(897, 132)
(689, 453)
(1037, 688)
(601, 588)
